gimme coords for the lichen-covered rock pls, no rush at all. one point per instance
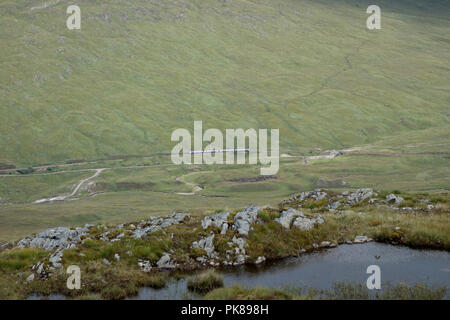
(244, 219)
(237, 250)
(334, 205)
(287, 216)
(306, 224)
(302, 196)
(240, 242)
(359, 196)
(224, 228)
(205, 244)
(154, 224)
(145, 265)
(318, 195)
(165, 263)
(393, 198)
(54, 238)
(55, 259)
(315, 195)
(361, 239)
(139, 233)
(216, 220)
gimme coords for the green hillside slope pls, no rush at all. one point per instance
(137, 70)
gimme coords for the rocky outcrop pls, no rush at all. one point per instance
(316, 195)
(244, 219)
(165, 262)
(237, 254)
(300, 197)
(287, 216)
(300, 220)
(206, 244)
(55, 238)
(393, 198)
(55, 259)
(306, 224)
(154, 224)
(334, 205)
(216, 220)
(359, 196)
(144, 228)
(343, 202)
(224, 228)
(145, 265)
(43, 271)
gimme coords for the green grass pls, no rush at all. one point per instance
(138, 70)
(113, 93)
(240, 293)
(205, 282)
(143, 192)
(339, 291)
(20, 259)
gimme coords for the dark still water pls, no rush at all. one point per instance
(346, 263)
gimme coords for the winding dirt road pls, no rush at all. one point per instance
(196, 189)
(74, 192)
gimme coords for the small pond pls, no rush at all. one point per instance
(346, 263)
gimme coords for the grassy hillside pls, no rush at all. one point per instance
(139, 69)
(113, 92)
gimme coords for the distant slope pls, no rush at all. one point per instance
(137, 70)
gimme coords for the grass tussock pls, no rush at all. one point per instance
(205, 282)
(241, 293)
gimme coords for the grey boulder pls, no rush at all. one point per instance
(245, 218)
(287, 216)
(393, 198)
(306, 224)
(216, 220)
(359, 196)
